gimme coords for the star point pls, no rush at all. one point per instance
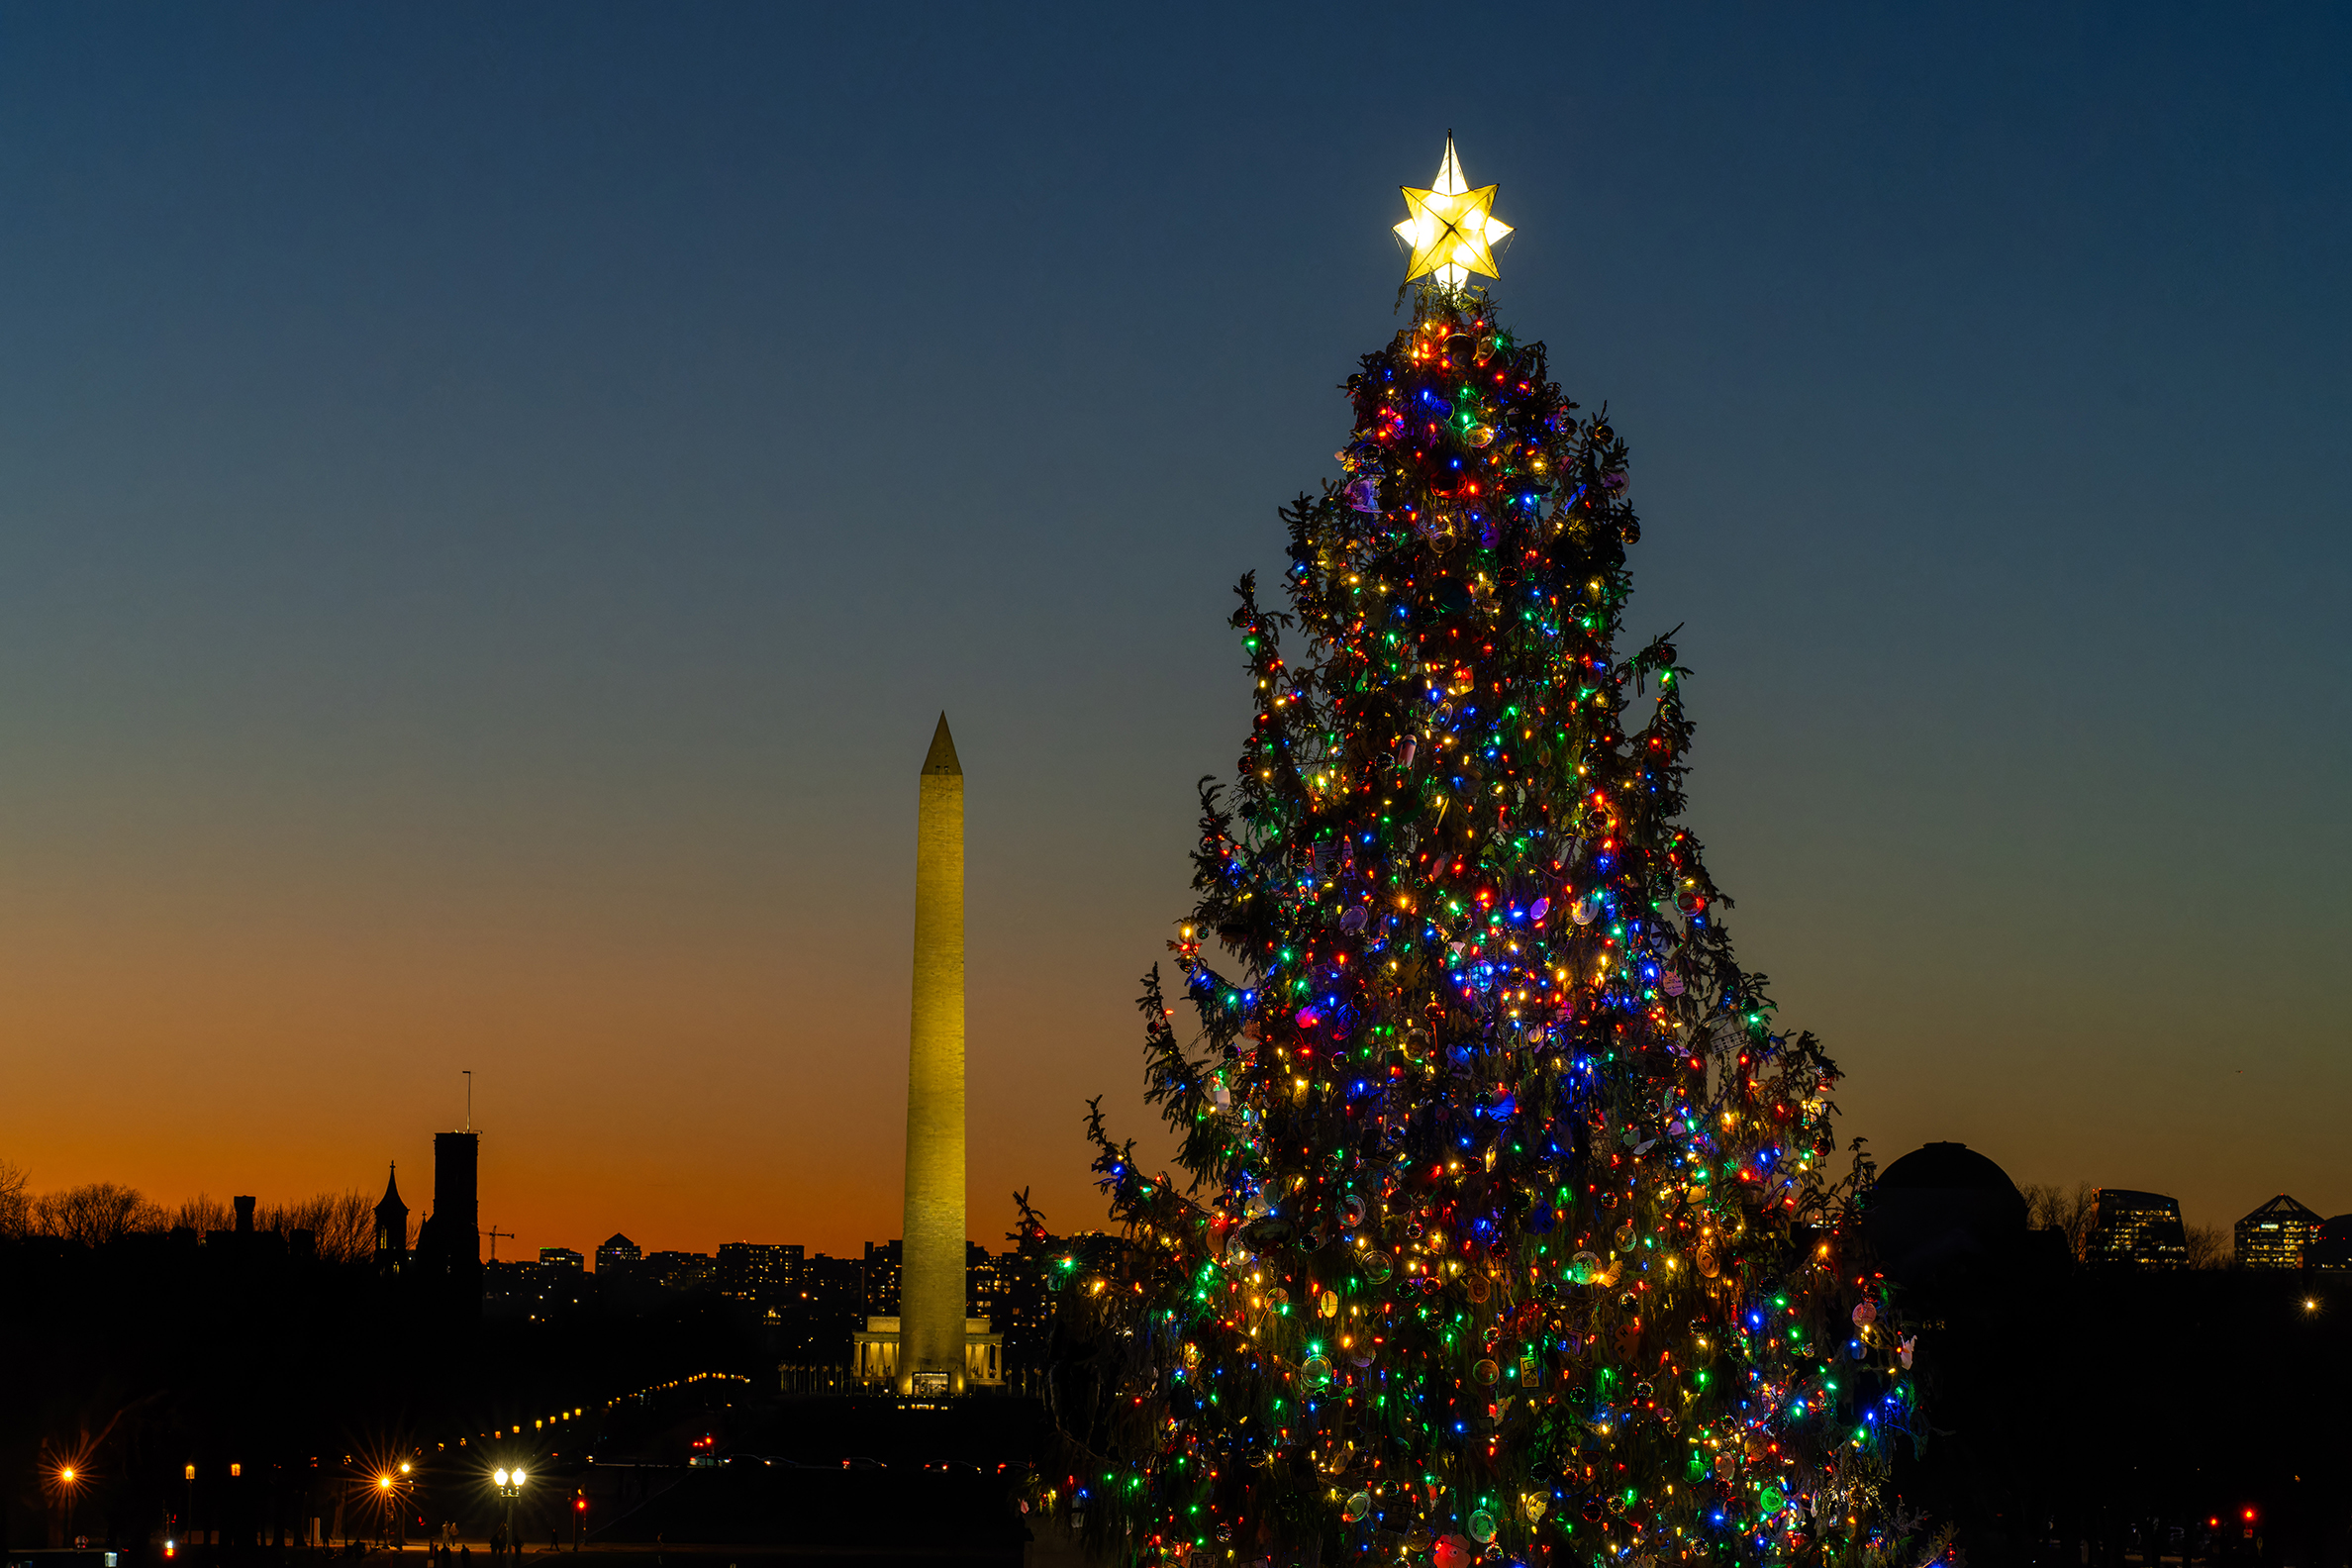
(1449, 229)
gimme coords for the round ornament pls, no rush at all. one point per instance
(1378, 1267)
(1708, 1266)
(1351, 1210)
(1537, 911)
(1316, 1371)
(1584, 911)
(1360, 1507)
(1480, 436)
(1482, 1527)
(1327, 1303)
(1477, 1287)
(1772, 1500)
(1865, 1314)
(1485, 1372)
(1278, 1298)
(1583, 1266)
(1534, 1505)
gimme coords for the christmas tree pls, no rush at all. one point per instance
(1504, 1229)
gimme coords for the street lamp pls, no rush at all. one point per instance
(510, 1487)
(70, 1479)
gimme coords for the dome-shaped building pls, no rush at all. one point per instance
(1942, 1213)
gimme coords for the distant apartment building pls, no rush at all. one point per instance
(881, 1281)
(757, 1272)
(2276, 1234)
(2330, 1249)
(562, 1258)
(2138, 1229)
(684, 1273)
(619, 1255)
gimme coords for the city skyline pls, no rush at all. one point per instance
(481, 550)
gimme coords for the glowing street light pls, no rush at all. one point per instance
(69, 1483)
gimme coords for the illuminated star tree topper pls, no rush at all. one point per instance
(1451, 229)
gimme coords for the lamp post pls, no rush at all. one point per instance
(68, 1480)
(510, 1487)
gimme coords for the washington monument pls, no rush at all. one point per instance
(931, 1354)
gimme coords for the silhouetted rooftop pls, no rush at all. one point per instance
(1947, 1165)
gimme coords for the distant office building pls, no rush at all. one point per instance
(509, 1289)
(882, 1259)
(2275, 1235)
(684, 1273)
(2138, 1229)
(554, 1287)
(756, 1272)
(2330, 1249)
(1024, 1309)
(814, 1318)
(391, 1227)
(617, 1255)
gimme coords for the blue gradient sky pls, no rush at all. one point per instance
(491, 500)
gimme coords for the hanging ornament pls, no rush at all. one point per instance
(1482, 1527)
(1351, 1210)
(1314, 1372)
(1583, 1267)
(1673, 984)
(1364, 494)
(1354, 917)
(1535, 1505)
(1378, 1266)
(1584, 911)
(1865, 1314)
(1360, 1507)
(1537, 909)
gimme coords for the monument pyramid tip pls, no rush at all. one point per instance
(942, 756)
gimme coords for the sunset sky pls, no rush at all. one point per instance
(492, 501)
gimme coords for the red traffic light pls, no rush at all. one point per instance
(2249, 1516)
